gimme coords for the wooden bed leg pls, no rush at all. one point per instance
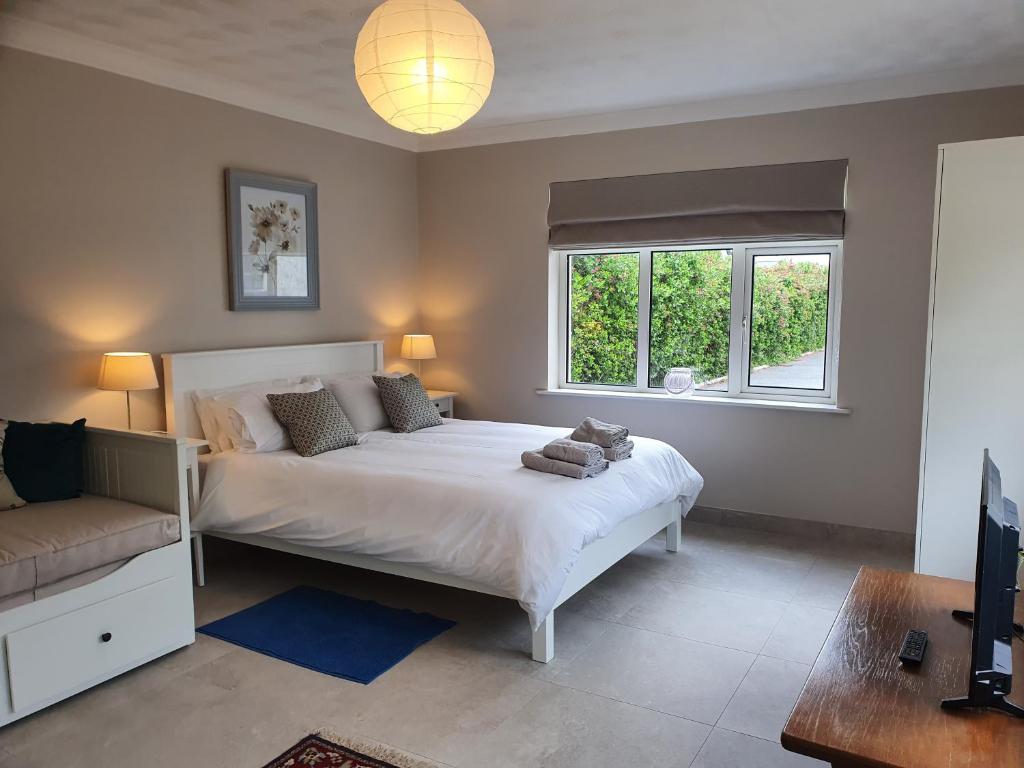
(200, 567)
(544, 640)
(674, 535)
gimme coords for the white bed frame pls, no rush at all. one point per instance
(189, 371)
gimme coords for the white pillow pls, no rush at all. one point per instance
(360, 400)
(203, 400)
(207, 420)
(248, 422)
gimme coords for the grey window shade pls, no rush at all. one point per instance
(795, 201)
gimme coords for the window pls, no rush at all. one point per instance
(691, 316)
(750, 320)
(603, 312)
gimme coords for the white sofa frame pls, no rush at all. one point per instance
(139, 467)
(186, 372)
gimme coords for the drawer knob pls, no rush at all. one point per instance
(105, 637)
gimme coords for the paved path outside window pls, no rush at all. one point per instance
(803, 373)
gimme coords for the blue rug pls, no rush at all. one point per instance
(358, 640)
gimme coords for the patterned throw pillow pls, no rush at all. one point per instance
(9, 499)
(406, 403)
(314, 421)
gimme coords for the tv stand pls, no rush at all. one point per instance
(996, 702)
(968, 616)
(985, 692)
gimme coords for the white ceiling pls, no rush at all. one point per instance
(563, 66)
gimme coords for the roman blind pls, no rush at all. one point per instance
(794, 201)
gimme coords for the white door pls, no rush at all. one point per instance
(974, 396)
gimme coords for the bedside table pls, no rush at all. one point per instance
(443, 401)
(193, 445)
(192, 448)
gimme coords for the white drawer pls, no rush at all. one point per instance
(62, 653)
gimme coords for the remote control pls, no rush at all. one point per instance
(914, 644)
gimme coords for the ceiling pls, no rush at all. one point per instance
(563, 66)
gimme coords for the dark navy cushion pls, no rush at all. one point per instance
(45, 462)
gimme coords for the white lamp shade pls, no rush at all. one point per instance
(424, 66)
(127, 371)
(418, 346)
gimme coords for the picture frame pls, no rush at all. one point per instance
(273, 253)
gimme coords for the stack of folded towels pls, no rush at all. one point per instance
(612, 438)
(584, 453)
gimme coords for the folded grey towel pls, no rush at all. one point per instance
(600, 433)
(538, 461)
(619, 451)
(573, 451)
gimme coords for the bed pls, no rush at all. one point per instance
(448, 504)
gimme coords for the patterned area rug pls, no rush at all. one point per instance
(327, 750)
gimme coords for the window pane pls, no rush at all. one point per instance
(788, 320)
(691, 301)
(603, 302)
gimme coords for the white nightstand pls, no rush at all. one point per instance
(192, 447)
(443, 401)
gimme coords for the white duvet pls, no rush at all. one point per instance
(454, 499)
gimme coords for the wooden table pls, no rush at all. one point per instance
(861, 707)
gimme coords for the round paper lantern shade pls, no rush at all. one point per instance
(424, 66)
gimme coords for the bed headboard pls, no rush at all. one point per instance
(185, 372)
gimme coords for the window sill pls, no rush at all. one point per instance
(742, 402)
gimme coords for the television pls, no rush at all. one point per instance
(995, 589)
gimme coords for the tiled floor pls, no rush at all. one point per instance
(674, 660)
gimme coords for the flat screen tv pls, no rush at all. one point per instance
(995, 588)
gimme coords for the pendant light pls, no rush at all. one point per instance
(424, 66)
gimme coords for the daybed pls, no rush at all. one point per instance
(94, 586)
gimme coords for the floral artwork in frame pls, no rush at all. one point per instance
(272, 242)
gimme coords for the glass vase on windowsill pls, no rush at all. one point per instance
(679, 382)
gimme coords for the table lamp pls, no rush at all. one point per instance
(127, 372)
(418, 347)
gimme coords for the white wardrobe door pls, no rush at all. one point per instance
(975, 392)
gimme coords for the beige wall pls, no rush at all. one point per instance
(112, 222)
(112, 232)
(484, 295)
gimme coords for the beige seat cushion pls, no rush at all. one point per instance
(43, 543)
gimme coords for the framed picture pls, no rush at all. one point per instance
(272, 242)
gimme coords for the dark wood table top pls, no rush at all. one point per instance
(861, 707)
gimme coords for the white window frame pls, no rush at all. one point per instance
(739, 339)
